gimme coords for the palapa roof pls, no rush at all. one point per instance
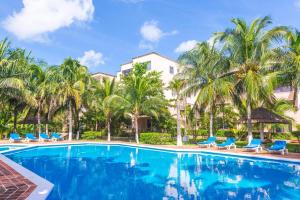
(263, 115)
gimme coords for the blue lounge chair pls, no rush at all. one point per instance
(230, 142)
(255, 144)
(55, 137)
(44, 137)
(211, 141)
(30, 137)
(14, 137)
(279, 146)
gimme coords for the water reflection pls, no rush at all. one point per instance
(114, 172)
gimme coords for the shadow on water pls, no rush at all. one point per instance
(130, 173)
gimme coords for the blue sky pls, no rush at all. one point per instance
(106, 33)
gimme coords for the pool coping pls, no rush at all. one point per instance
(43, 186)
(185, 150)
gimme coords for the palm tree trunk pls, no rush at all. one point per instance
(15, 119)
(70, 120)
(108, 130)
(295, 97)
(249, 124)
(179, 138)
(211, 123)
(39, 118)
(136, 129)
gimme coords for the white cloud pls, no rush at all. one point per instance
(186, 46)
(151, 32)
(92, 58)
(39, 17)
(297, 4)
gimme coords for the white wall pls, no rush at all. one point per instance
(161, 64)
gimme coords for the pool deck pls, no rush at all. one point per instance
(19, 183)
(12, 184)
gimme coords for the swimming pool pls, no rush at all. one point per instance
(123, 172)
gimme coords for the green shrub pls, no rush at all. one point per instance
(92, 135)
(202, 132)
(225, 133)
(156, 138)
(282, 136)
(296, 133)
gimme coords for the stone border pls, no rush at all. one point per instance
(43, 187)
(186, 150)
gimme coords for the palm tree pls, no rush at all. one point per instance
(110, 104)
(142, 95)
(71, 78)
(204, 77)
(176, 85)
(289, 57)
(249, 47)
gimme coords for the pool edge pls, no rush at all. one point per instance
(43, 186)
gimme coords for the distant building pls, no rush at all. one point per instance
(287, 93)
(156, 62)
(100, 76)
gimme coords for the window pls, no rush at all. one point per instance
(148, 65)
(126, 72)
(171, 70)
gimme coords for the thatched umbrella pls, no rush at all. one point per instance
(264, 116)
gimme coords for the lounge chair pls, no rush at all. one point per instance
(279, 146)
(44, 137)
(55, 137)
(255, 144)
(30, 137)
(230, 142)
(14, 137)
(211, 141)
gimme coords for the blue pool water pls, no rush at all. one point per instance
(121, 172)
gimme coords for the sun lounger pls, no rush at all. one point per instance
(55, 137)
(14, 137)
(279, 146)
(230, 142)
(44, 137)
(255, 144)
(30, 137)
(211, 141)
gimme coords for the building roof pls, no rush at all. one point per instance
(263, 115)
(146, 54)
(102, 73)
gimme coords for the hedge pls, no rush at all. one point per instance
(282, 136)
(92, 135)
(156, 138)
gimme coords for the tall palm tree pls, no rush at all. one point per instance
(289, 57)
(143, 94)
(71, 78)
(205, 77)
(176, 85)
(110, 103)
(249, 47)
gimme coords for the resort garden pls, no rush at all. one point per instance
(231, 75)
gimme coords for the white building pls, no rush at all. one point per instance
(288, 94)
(156, 62)
(99, 76)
